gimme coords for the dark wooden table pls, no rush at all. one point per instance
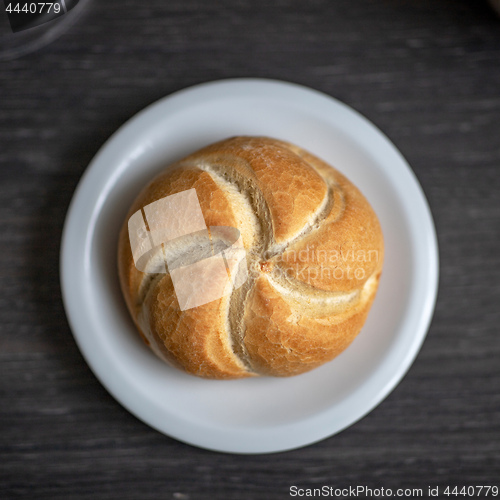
(426, 72)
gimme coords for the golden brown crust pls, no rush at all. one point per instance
(292, 189)
(169, 331)
(345, 250)
(314, 251)
(282, 342)
(195, 339)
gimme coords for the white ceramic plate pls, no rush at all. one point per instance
(259, 415)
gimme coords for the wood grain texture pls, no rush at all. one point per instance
(426, 72)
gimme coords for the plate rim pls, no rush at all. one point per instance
(178, 100)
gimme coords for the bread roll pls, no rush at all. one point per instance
(309, 253)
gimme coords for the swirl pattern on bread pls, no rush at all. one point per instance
(314, 252)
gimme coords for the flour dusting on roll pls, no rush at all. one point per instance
(250, 257)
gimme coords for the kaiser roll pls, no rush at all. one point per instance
(300, 249)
